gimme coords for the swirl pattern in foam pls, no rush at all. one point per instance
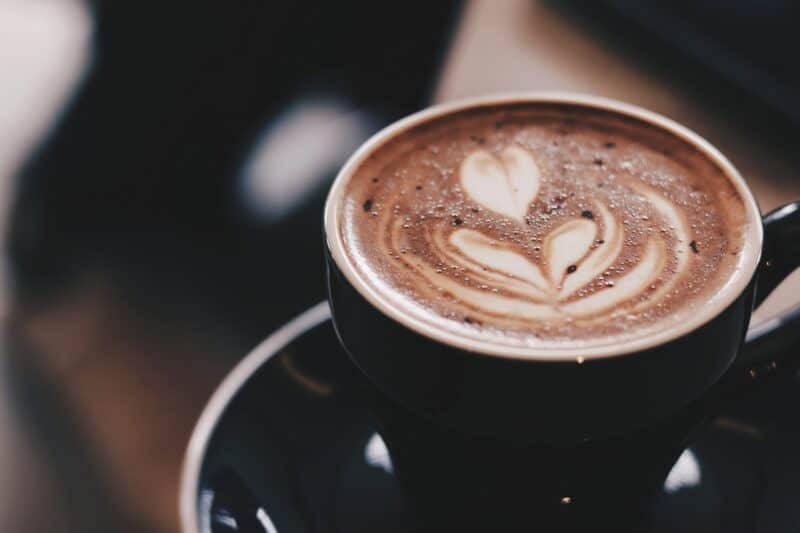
(543, 225)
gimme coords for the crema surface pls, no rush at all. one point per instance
(543, 225)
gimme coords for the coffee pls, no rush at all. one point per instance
(543, 225)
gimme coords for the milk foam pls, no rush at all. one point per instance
(544, 231)
(575, 253)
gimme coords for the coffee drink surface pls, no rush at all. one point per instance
(543, 225)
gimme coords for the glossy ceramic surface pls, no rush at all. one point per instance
(289, 443)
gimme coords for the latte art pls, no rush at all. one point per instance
(507, 185)
(541, 228)
(576, 253)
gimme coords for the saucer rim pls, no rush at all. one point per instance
(222, 397)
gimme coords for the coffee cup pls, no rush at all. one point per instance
(549, 404)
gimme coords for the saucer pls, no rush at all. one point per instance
(286, 444)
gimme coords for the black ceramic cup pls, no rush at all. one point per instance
(490, 438)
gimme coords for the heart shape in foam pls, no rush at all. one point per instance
(574, 255)
(506, 185)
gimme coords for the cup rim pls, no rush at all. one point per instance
(727, 294)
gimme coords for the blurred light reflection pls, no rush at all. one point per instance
(377, 454)
(265, 521)
(684, 474)
(297, 151)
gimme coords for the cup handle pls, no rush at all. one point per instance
(767, 347)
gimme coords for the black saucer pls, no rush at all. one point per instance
(286, 445)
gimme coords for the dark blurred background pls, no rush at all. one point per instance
(163, 167)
